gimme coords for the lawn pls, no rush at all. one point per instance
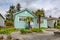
(7, 30)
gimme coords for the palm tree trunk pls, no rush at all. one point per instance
(39, 20)
(29, 24)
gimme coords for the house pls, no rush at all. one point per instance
(2, 23)
(19, 19)
(52, 22)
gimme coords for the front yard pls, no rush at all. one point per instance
(23, 30)
(29, 34)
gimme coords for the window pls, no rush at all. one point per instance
(21, 18)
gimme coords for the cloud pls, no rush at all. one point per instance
(55, 12)
(2, 11)
(48, 5)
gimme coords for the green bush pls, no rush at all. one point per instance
(9, 23)
(24, 31)
(4, 31)
(58, 23)
(58, 27)
(7, 30)
(36, 30)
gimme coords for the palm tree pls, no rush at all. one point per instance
(28, 20)
(39, 13)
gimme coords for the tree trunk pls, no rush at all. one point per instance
(39, 20)
(29, 24)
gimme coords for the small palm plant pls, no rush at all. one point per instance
(28, 20)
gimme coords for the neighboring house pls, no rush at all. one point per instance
(2, 23)
(52, 22)
(19, 19)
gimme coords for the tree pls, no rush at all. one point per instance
(9, 16)
(58, 22)
(11, 11)
(39, 13)
(28, 20)
(18, 7)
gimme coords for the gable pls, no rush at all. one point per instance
(25, 13)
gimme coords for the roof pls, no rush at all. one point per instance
(2, 16)
(53, 18)
(25, 10)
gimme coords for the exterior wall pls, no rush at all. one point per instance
(51, 23)
(21, 24)
(44, 23)
(1, 21)
(35, 23)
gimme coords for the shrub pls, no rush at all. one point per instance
(58, 23)
(58, 27)
(36, 30)
(9, 23)
(24, 31)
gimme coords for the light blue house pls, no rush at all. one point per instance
(21, 15)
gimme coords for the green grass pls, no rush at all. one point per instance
(7, 30)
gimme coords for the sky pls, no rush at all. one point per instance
(51, 7)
